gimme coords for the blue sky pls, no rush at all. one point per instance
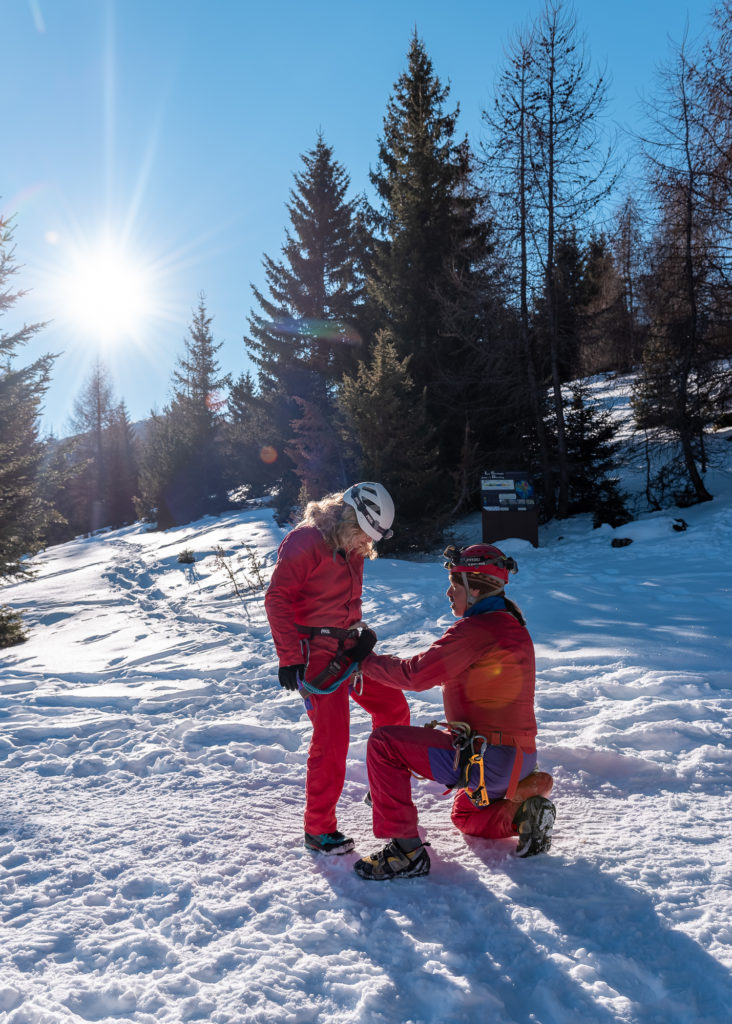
(172, 128)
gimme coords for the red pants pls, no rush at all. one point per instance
(326, 767)
(395, 752)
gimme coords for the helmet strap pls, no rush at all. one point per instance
(471, 597)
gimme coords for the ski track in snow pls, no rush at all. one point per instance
(152, 776)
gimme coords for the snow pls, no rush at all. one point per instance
(151, 794)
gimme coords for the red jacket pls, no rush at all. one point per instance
(485, 665)
(311, 585)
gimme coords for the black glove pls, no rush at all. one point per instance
(363, 646)
(289, 675)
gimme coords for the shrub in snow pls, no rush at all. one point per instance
(252, 579)
(11, 627)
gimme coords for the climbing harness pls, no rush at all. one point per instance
(470, 748)
(340, 665)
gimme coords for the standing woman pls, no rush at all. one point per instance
(314, 609)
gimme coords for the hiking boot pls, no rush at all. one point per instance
(393, 862)
(329, 843)
(535, 821)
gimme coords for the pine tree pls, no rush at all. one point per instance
(98, 465)
(315, 451)
(394, 443)
(164, 484)
(308, 330)
(570, 295)
(249, 459)
(198, 401)
(91, 420)
(310, 321)
(603, 318)
(182, 475)
(25, 511)
(432, 241)
(123, 468)
(593, 457)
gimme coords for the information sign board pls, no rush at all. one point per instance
(509, 506)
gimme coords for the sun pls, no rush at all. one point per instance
(106, 293)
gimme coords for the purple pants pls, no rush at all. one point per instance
(395, 751)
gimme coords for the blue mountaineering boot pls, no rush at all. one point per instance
(535, 821)
(393, 862)
(329, 843)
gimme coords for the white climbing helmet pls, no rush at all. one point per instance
(374, 508)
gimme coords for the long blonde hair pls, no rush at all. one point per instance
(336, 521)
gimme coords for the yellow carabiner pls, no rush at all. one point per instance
(479, 794)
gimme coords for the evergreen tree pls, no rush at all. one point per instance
(432, 243)
(91, 421)
(315, 451)
(25, 511)
(250, 460)
(603, 320)
(242, 401)
(63, 469)
(123, 468)
(164, 483)
(593, 455)
(12, 631)
(308, 330)
(182, 474)
(394, 444)
(98, 464)
(197, 405)
(589, 311)
(310, 321)
(569, 298)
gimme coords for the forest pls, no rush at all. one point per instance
(443, 324)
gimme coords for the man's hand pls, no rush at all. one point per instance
(363, 646)
(289, 676)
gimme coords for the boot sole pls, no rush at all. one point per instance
(330, 851)
(540, 837)
(420, 873)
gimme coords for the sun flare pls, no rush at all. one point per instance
(106, 294)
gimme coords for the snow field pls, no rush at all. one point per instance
(151, 792)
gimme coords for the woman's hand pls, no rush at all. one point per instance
(289, 675)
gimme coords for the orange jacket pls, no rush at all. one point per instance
(311, 585)
(485, 665)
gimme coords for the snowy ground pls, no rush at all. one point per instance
(151, 789)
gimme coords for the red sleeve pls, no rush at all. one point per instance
(456, 649)
(295, 562)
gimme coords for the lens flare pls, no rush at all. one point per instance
(215, 401)
(334, 332)
(268, 454)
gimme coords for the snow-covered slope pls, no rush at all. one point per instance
(151, 790)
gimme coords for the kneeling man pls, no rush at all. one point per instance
(486, 747)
